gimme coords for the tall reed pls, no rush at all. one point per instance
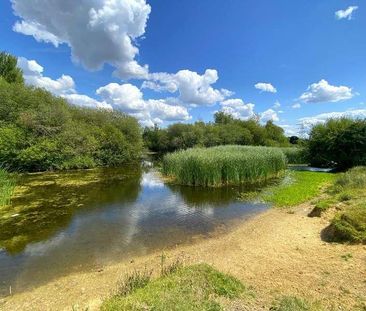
(295, 155)
(224, 165)
(7, 186)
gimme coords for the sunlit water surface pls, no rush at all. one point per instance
(78, 221)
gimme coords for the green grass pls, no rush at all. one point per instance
(7, 186)
(292, 303)
(295, 155)
(190, 288)
(224, 165)
(350, 225)
(302, 186)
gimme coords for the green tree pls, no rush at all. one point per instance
(9, 70)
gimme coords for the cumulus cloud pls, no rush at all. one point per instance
(194, 89)
(346, 14)
(269, 115)
(128, 98)
(265, 87)
(33, 75)
(308, 122)
(86, 101)
(324, 92)
(296, 106)
(98, 31)
(238, 109)
(276, 105)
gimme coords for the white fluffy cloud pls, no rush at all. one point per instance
(296, 106)
(265, 87)
(33, 75)
(324, 92)
(128, 98)
(308, 122)
(238, 109)
(346, 14)
(194, 89)
(97, 31)
(269, 115)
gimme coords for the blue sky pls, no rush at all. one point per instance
(103, 49)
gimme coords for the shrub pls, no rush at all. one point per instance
(338, 142)
(39, 131)
(224, 165)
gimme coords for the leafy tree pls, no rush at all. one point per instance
(338, 142)
(9, 70)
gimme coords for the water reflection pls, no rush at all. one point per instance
(80, 220)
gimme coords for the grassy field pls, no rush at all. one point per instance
(195, 287)
(298, 187)
(7, 186)
(224, 165)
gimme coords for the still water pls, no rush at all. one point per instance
(77, 221)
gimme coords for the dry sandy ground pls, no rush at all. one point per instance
(277, 253)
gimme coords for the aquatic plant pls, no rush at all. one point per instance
(7, 185)
(224, 165)
(295, 155)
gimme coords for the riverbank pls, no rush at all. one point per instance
(276, 253)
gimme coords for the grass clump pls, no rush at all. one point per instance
(133, 281)
(303, 186)
(350, 225)
(190, 288)
(7, 186)
(292, 303)
(224, 165)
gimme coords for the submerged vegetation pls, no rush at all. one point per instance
(197, 287)
(298, 187)
(7, 186)
(224, 165)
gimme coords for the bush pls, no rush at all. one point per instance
(224, 165)
(338, 142)
(224, 131)
(39, 132)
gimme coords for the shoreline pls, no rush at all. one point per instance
(275, 253)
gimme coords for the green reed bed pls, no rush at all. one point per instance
(6, 187)
(295, 155)
(224, 165)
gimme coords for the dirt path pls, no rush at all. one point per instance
(277, 253)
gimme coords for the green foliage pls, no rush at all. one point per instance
(39, 132)
(191, 288)
(295, 155)
(224, 131)
(292, 303)
(9, 70)
(7, 186)
(338, 142)
(301, 187)
(224, 165)
(354, 178)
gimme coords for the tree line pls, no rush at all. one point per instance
(40, 131)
